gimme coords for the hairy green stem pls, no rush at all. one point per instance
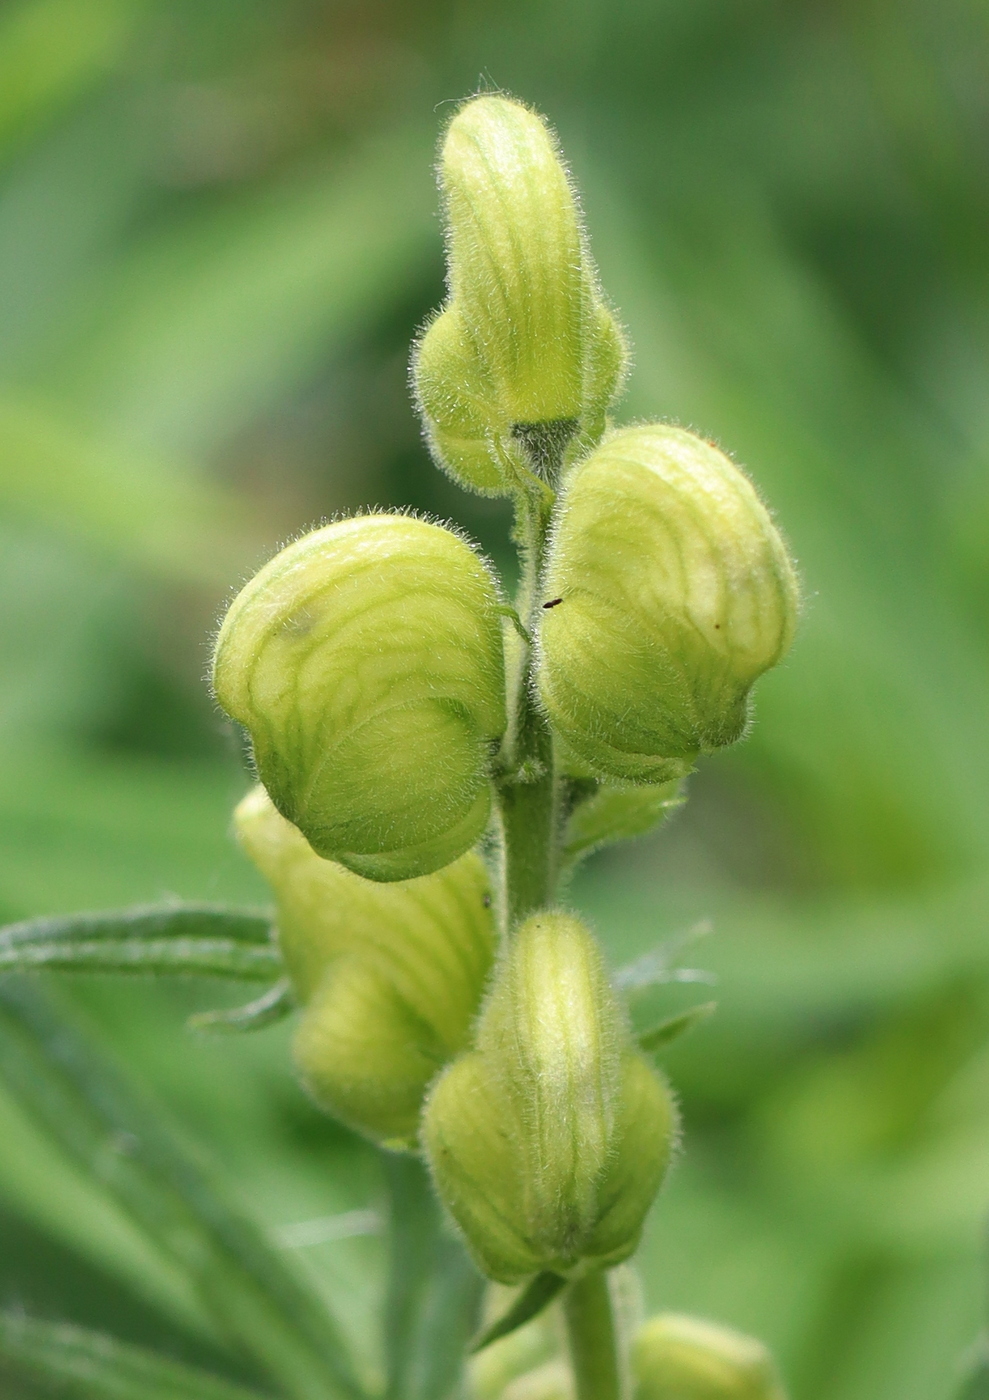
(591, 1339)
(527, 793)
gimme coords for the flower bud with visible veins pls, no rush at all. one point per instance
(366, 661)
(676, 1357)
(525, 358)
(675, 594)
(550, 1140)
(389, 976)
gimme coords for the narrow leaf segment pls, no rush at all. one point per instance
(207, 940)
(671, 1029)
(271, 1006)
(88, 1108)
(434, 1291)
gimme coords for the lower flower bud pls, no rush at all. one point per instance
(676, 1357)
(389, 976)
(550, 1140)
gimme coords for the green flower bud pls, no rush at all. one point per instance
(526, 357)
(549, 1141)
(684, 1358)
(366, 661)
(390, 976)
(675, 594)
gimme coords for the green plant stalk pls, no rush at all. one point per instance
(591, 1338)
(528, 804)
(527, 798)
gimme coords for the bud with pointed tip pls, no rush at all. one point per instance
(390, 976)
(366, 661)
(525, 358)
(676, 1357)
(549, 1141)
(676, 593)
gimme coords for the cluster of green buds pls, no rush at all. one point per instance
(407, 742)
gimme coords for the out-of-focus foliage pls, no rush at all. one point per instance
(217, 235)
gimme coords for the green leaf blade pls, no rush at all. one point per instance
(74, 1363)
(434, 1291)
(102, 1124)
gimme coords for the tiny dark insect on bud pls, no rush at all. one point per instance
(553, 603)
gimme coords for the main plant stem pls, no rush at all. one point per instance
(527, 793)
(528, 803)
(591, 1339)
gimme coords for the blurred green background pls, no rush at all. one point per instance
(218, 234)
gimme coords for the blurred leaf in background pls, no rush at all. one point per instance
(217, 237)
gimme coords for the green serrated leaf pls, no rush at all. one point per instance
(272, 1006)
(187, 939)
(537, 1295)
(671, 1029)
(617, 812)
(434, 1291)
(105, 1126)
(72, 1363)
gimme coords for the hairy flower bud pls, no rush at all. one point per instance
(684, 1358)
(390, 976)
(366, 661)
(549, 1141)
(525, 357)
(675, 593)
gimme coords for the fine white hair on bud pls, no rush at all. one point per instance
(525, 358)
(671, 593)
(389, 976)
(677, 1357)
(549, 1141)
(366, 661)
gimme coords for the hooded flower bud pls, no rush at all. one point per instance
(684, 1358)
(526, 356)
(366, 662)
(390, 976)
(675, 594)
(549, 1141)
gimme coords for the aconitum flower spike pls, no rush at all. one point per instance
(366, 662)
(672, 593)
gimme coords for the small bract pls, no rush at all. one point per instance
(366, 662)
(389, 977)
(672, 591)
(549, 1141)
